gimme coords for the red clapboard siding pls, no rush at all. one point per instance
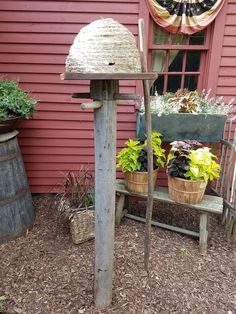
(35, 37)
(126, 18)
(227, 69)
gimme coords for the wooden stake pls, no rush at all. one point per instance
(149, 147)
(105, 175)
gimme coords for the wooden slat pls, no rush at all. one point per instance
(61, 17)
(71, 28)
(108, 76)
(65, 134)
(226, 90)
(58, 151)
(55, 79)
(210, 204)
(57, 142)
(229, 41)
(228, 61)
(75, 6)
(164, 226)
(227, 81)
(72, 125)
(230, 30)
(229, 51)
(231, 8)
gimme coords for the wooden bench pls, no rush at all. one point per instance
(209, 205)
(222, 203)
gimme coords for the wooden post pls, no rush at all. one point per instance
(105, 175)
(149, 146)
(203, 232)
(119, 209)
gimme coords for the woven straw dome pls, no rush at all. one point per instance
(104, 46)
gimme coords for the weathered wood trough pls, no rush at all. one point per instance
(104, 52)
(182, 126)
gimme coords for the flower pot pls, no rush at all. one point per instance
(82, 225)
(186, 191)
(182, 126)
(9, 124)
(138, 181)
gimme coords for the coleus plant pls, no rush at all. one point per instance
(133, 157)
(190, 160)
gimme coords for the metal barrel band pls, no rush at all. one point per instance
(11, 199)
(10, 156)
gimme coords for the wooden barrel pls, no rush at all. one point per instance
(138, 181)
(186, 191)
(16, 209)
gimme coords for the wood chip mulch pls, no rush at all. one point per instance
(44, 272)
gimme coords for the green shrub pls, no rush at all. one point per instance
(14, 101)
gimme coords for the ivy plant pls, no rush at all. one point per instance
(14, 101)
(133, 157)
(189, 160)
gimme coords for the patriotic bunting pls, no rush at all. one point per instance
(184, 16)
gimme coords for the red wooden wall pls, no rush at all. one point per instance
(227, 70)
(35, 37)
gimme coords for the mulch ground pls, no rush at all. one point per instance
(44, 272)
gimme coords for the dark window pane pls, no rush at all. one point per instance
(158, 86)
(198, 38)
(158, 60)
(175, 61)
(159, 35)
(190, 82)
(193, 61)
(178, 39)
(174, 83)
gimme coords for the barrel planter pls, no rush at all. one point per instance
(16, 209)
(137, 181)
(186, 191)
(182, 126)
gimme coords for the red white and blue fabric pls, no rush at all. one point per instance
(184, 16)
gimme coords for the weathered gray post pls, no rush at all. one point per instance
(104, 90)
(105, 175)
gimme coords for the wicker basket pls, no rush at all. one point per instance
(82, 226)
(186, 191)
(138, 181)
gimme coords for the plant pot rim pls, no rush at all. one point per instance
(11, 118)
(181, 179)
(141, 172)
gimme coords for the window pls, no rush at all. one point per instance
(179, 60)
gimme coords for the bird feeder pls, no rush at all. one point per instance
(104, 52)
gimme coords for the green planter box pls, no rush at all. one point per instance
(182, 126)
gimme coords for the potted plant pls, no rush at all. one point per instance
(76, 203)
(192, 115)
(189, 167)
(15, 105)
(132, 160)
